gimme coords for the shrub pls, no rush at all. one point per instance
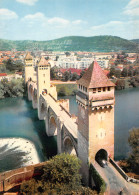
(99, 182)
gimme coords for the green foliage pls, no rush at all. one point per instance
(67, 76)
(124, 73)
(62, 171)
(133, 159)
(66, 89)
(14, 66)
(82, 73)
(53, 73)
(112, 71)
(74, 77)
(99, 182)
(13, 88)
(75, 43)
(120, 84)
(61, 176)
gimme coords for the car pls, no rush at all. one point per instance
(103, 163)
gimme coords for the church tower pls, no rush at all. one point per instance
(29, 68)
(95, 98)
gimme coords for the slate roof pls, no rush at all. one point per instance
(28, 56)
(94, 77)
(43, 62)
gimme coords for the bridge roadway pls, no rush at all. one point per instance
(63, 116)
(115, 182)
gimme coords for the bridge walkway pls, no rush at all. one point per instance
(62, 115)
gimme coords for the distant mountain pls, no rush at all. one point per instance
(74, 43)
(135, 40)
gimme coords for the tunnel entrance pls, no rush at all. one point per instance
(101, 154)
(102, 157)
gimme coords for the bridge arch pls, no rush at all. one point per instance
(34, 102)
(69, 146)
(102, 154)
(30, 92)
(52, 125)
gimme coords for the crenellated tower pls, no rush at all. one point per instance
(43, 76)
(95, 100)
(29, 67)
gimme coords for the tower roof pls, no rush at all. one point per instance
(94, 77)
(28, 56)
(43, 62)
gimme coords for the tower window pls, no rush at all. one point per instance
(79, 86)
(104, 89)
(94, 90)
(109, 88)
(43, 75)
(44, 82)
(99, 89)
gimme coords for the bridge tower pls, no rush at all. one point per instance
(95, 100)
(29, 68)
(43, 80)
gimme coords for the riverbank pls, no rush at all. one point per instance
(17, 151)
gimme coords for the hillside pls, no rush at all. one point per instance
(74, 43)
(135, 40)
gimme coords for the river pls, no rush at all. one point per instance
(18, 119)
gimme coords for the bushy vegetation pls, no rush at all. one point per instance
(13, 88)
(99, 182)
(60, 176)
(66, 89)
(11, 67)
(132, 163)
(75, 43)
(133, 159)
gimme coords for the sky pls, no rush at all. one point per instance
(52, 19)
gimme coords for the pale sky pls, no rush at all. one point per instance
(51, 19)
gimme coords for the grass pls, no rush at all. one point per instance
(66, 89)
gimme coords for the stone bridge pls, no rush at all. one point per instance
(58, 120)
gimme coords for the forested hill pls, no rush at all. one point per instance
(74, 43)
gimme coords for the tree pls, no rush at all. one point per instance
(133, 140)
(124, 73)
(63, 172)
(66, 75)
(67, 54)
(13, 88)
(14, 66)
(82, 73)
(1, 90)
(52, 73)
(112, 71)
(60, 176)
(74, 76)
(117, 73)
(120, 84)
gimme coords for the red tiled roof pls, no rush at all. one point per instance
(43, 61)
(28, 56)
(3, 74)
(94, 77)
(72, 70)
(106, 72)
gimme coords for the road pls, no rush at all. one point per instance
(115, 182)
